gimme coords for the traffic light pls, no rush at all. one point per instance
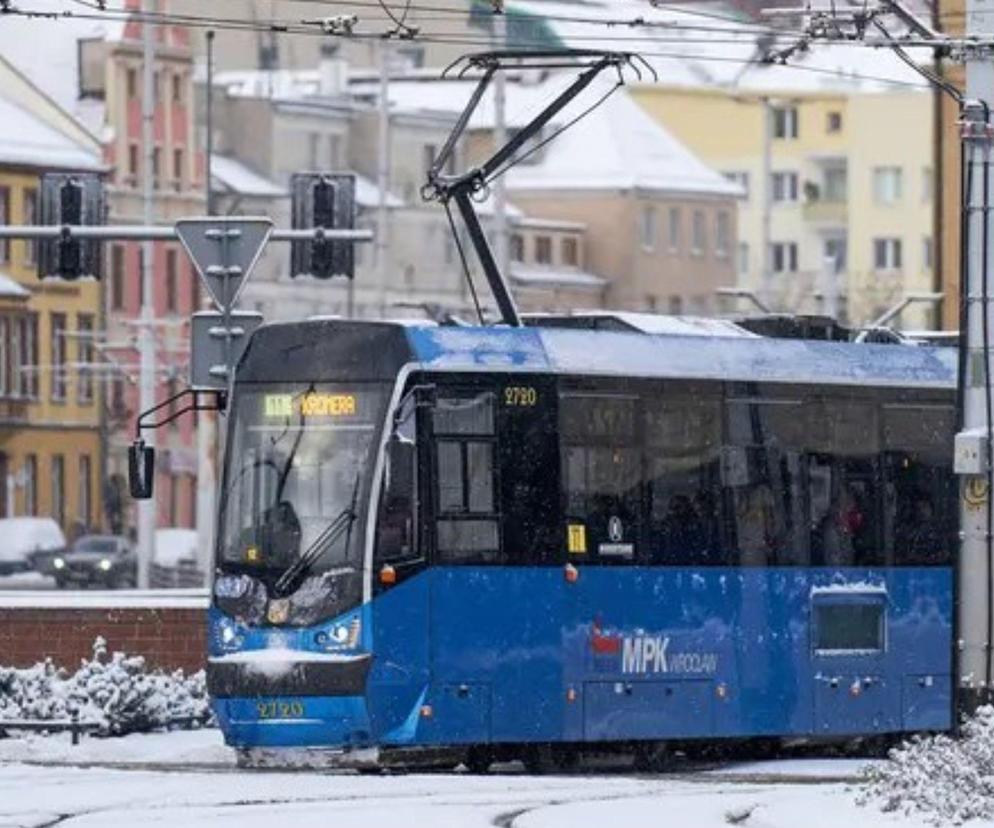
(77, 200)
(327, 201)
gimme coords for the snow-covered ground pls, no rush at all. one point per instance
(189, 779)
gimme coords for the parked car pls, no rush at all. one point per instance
(29, 543)
(97, 560)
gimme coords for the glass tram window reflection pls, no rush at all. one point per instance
(467, 523)
(682, 451)
(298, 459)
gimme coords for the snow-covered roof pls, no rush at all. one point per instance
(26, 139)
(618, 146)
(233, 176)
(532, 276)
(12, 289)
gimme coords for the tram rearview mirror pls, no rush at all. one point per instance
(141, 470)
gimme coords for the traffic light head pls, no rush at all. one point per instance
(327, 201)
(70, 200)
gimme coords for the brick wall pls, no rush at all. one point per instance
(169, 637)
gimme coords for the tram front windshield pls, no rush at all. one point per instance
(297, 477)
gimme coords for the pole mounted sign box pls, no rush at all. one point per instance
(218, 340)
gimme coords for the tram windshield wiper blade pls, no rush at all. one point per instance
(329, 536)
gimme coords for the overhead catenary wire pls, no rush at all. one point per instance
(308, 29)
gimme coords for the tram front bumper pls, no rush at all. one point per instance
(297, 702)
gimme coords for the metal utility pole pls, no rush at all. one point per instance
(501, 240)
(383, 175)
(974, 444)
(147, 508)
(208, 448)
(766, 281)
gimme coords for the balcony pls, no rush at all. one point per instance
(825, 212)
(13, 411)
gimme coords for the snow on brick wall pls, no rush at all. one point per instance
(168, 637)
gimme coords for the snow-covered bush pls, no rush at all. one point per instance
(946, 780)
(113, 689)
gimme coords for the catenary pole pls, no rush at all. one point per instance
(974, 445)
(147, 508)
(766, 254)
(501, 240)
(383, 175)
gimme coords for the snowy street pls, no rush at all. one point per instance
(189, 779)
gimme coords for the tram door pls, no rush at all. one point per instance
(494, 616)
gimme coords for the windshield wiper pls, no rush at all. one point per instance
(332, 532)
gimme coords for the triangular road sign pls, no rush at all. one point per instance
(224, 250)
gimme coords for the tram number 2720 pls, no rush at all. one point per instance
(520, 395)
(280, 710)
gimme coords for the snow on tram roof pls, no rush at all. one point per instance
(679, 355)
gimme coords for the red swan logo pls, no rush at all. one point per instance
(602, 643)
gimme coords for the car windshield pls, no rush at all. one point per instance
(105, 546)
(298, 460)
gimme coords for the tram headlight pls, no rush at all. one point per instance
(341, 636)
(105, 565)
(58, 563)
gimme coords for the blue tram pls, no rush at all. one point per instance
(492, 539)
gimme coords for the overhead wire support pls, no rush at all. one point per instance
(461, 187)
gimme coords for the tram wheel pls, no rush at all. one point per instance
(478, 760)
(653, 757)
(542, 759)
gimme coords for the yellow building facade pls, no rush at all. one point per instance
(50, 393)
(850, 191)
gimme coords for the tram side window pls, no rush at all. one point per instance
(763, 475)
(396, 538)
(466, 528)
(920, 528)
(602, 477)
(682, 451)
(844, 477)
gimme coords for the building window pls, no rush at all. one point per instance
(4, 219)
(928, 183)
(836, 184)
(887, 185)
(117, 277)
(834, 122)
(84, 497)
(722, 234)
(58, 489)
(84, 323)
(27, 356)
(30, 217)
(927, 253)
(743, 257)
(674, 222)
(132, 178)
(700, 233)
(428, 152)
(334, 151)
(886, 254)
(676, 304)
(785, 122)
(31, 485)
(543, 250)
(141, 277)
(177, 169)
(157, 167)
(835, 249)
(517, 248)
(313, 140)
(117, 397)
(5, 339)
(647, 227)
(784, 187)
(740, 178)
(177, 81)
(171, 278)
(569, 252)
(131, 82)
(58, 322)
(783, 257)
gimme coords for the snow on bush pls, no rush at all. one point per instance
(946, 780)
(114, 690)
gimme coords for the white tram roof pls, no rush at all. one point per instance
(721, 354)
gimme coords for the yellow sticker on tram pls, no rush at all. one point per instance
(576, 539)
